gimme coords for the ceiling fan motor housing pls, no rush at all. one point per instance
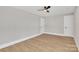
(46, 7)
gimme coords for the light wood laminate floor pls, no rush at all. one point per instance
(44, 43)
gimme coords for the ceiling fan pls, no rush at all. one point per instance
(45, 8)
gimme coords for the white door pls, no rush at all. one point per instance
(68, 25)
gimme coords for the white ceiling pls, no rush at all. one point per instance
(54, 10)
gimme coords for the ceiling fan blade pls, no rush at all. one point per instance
(49, 7)
(47, 11)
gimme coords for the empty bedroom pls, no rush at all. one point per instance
(39, 28)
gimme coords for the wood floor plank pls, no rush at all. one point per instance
(44, 43)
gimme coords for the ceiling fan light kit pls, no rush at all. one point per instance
(45, 8)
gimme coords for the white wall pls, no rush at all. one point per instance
(55, 24)
(77, 26)
(16, 24)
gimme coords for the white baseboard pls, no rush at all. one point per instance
(17, 41)
(57, 34)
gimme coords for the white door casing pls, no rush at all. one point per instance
(42, 25)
